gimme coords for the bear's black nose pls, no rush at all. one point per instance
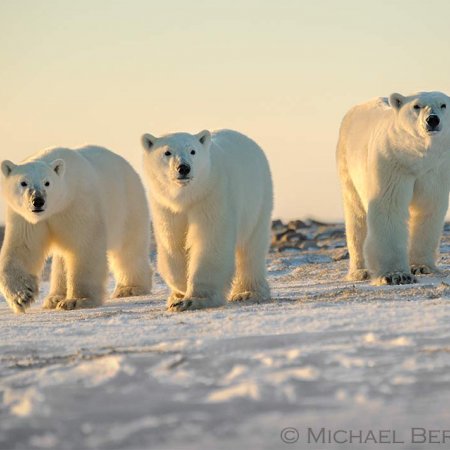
(37, 202)
(183, 169)
(433, 121)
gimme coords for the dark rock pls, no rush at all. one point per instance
(308, 245)
(296, 225)
(333, 233)
(283, 248)
(277, 224)
(341, 255)
(293, 236)
(318, 224)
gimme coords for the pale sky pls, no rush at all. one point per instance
(284, 72)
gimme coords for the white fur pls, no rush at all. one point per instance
(395, 178)
(95, 206)
(212, 231)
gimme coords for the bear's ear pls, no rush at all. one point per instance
(148, 141)
(204, 137)
(7, 167)
(397, 101)
(58, 166)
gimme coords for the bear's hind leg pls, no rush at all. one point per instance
(87, 269)
(58, 283)
(130, 261)
(250, 281)
(427, 215)
(132, 271)
(355, 231)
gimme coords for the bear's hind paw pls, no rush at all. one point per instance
(130, 291)
(249, 295)
(181, 305)
(424, 269)
(185, 304)
(77, 303)
(51, 301)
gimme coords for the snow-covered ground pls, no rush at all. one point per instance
(324, 353)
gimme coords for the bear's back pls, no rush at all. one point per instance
(232, 148)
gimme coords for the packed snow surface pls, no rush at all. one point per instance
(325, 353)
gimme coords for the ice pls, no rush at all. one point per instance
(323, 353)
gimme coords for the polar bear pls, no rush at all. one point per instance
(393, 158)
(82, 206)
(211, 201)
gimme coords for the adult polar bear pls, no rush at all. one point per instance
(394, 162)
(211, 200)
(79, 205)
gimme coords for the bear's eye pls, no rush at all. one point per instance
(192, 152)
(416, 106)
(24, 184)
(443, 106)
(47, 184)
(167, 153)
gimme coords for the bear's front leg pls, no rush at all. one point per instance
(386, 246)
(19, 287)
(172, 266)
(21, 260)
(170, 233)
(210, 264)
(87, 269)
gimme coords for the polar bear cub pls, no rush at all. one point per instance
(82, 206)
(394, 163)
(211, 200)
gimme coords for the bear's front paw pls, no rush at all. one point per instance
(358, 275)
(51, 301)
(423, 269)
(21, 291)
(396, 278)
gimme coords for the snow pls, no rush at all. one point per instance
(324, 353)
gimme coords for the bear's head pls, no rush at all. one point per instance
(177, 165)
(424, 114)
(33, 189)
